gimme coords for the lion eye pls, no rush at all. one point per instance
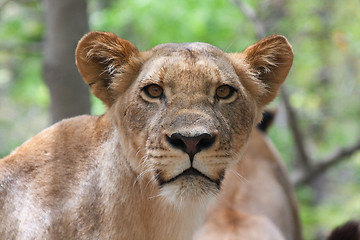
(153, 91)
(224, 92)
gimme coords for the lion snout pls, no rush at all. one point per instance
(191, 145)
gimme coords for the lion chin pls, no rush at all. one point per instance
(189, 186)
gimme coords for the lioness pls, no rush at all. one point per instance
(177, 117)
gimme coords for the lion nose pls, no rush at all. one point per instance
(191, 145)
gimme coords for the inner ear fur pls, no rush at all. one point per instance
(267, 62)
(107, 63)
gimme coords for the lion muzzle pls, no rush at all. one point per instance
(191, 145)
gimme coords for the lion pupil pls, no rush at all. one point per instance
(223, 91)
(154, 91)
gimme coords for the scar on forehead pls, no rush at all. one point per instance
(190, 52)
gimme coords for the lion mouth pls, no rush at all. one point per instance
(191, 172)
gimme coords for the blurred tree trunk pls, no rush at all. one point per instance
(66, 22)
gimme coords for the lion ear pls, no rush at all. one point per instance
(270, 61)
(107, 63)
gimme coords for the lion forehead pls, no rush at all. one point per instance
(196, 47)
(188, 61)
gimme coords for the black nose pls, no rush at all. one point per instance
(191, 145)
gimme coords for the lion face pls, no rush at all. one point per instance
(184, 111)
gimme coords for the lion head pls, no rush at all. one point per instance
(182, 112)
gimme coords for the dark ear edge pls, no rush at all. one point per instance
(348, 231)
(102, 58)
(268, 117)
(266, 63)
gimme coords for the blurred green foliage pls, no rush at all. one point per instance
(324, 82)
(215, 22)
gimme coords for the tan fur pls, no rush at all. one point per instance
(257, 200)
(118, 176)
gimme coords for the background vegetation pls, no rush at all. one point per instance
(323, 87)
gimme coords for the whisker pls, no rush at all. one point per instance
(238, 158)
(145, 167)
(153, 178)
(242, 178)
(143, 160)
(155, 196)
(140, 176)
(139, 149)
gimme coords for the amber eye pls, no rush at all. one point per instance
(224, 91)
(153, 91)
